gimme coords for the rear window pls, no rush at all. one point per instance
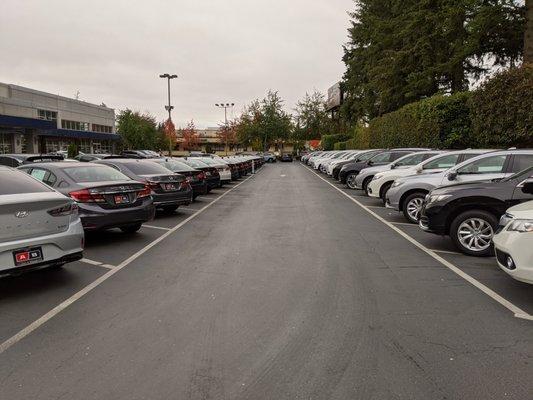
(195, 164)
(146, 168)
(93, 173)
(176, 166)
(16, 182)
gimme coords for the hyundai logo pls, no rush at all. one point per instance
(22, 214)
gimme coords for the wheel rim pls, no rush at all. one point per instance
(350, 181)
(414, 207)
(475, 234)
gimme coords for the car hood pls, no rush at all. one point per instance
(523, 210)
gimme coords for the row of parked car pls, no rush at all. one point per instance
(481, 198)
(47, 203)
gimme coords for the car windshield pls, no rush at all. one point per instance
(95, 173)
(175, 166)
(147, 168)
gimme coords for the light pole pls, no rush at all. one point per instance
(225, 106)
(170, 107)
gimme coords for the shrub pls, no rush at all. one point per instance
(328, 141)
(439, 121)
(339, 146)
(502, 110)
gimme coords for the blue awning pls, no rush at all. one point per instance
(21, 122)
(67, 133)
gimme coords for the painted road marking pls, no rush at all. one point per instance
(71, 300)
(517, 311)
(96, 263)
(156, 227)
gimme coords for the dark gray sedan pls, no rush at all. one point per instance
(168, 189)
(106, 197)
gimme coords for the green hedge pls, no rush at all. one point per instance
(340, 146)
(328, 141)
(502, 110)
(439, 121)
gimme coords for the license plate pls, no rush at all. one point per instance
(27, 256)
(121, 199)
(168, 186)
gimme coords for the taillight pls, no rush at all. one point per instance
(85, 196)
(153, 185)
(201, 176)
(145, 192)
(185, 185)
(188, 178)
(69, 209)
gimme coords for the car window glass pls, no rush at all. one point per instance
(469, 156)
(412, 159)
(146, 168)
(487, 165)
(522, 162)
(15, 182)
(381, 157)
(38, 173)
(93, 173)
(447, 161)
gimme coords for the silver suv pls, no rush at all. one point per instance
(407, 194)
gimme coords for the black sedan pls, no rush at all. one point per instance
(286, 157)
(106, 197)
(168, 189)
(355, 166)
(469, 213)
(16, 160)
(195, 177)
(212, 176)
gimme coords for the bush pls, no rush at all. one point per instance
(339, 146)
(502, 110)
(328, 141)
(439, 122)
(72, 150)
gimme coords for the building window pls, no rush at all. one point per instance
(103, 147)
(85, 146)
(53, 145)
(102, 128)
(74, 125)
(47, 115)
(6, 143)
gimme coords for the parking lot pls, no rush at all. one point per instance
(283, 284)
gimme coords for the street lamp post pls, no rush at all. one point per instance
(225, 106)
(170, 107)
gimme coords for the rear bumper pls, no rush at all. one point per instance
(199, 188)
(181, 198)
(66, 245)
(96, 218)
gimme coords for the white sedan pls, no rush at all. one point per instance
(514, 243)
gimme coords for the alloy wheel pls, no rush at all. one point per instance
(414, 207)
(350, 181)
(475, 234)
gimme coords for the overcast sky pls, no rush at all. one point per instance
(112, 51)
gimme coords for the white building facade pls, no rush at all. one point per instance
(34, 122)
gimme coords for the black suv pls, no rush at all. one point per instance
(469, 212)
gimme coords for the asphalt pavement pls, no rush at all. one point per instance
(278, 287)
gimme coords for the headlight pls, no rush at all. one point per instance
(521, 225)
(377, 176)
(397, 183)
(438, 197)
(505, 219)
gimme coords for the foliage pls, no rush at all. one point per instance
(263, 122)
(72, 150)
(404, 51)
(312, 120)
(328, 141)
(227, 134)
(502, 110)
(340, 146)
(190, 137)
(440, 122)
(167, 137)
(138, 131)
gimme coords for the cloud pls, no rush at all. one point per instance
(232, 51)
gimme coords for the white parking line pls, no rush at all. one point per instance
(206, 198)
(189, 209)
(517, 311)
(96, 263)
(404, 224)
(156, 227)
(75, 297)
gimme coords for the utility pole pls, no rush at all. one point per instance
(225, 106)
(169, 108)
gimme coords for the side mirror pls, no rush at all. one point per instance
(527, 187)
(370, 162)
(393, 166)
(452, 176)
(419, 170)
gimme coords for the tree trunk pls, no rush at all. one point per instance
(528, 34)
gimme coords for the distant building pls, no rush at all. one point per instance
(32, 121)
(335, 99)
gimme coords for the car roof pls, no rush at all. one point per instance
(58, 164)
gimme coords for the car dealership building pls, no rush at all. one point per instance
(32, 121)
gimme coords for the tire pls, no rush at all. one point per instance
(350, 180)
(383, 191)
(366, 182)
(472, 232)
(412, 205)
(169, 209)
(131, 228)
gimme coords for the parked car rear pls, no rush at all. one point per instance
(39, 227)
(106, 197)
(195, 177)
